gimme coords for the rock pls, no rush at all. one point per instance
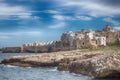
(102, 66)
(46, 59)
(96, 64)
(11, 50)
(33, 61)
(64, 65)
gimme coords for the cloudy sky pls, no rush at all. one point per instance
(23, 21)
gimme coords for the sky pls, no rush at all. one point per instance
(24, 21)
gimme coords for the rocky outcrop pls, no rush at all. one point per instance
(46, 59)
(33, 60)
(65, 63)
(96, 64)
(106, 65)
(11, 50)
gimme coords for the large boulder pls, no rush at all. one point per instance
(102, 66)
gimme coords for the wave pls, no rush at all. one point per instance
(28, 67)
(16, 66)
(11, 66)
(54, 69)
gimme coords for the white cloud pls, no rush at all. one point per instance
(62, 17)
(8, 12)
(92, 8)
(14, 17)
(83, 18)
(12, 10)
(24, 16)
(59, 25)
(117, 28)
(29, 17)
(51, 11)
(33, 33)
(4, 35)
(110, 20)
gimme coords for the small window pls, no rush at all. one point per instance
(83, 43)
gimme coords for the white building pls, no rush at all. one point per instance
(70, 37)
(102, 40)
(39, 44)
(90, 34)
(80, 36)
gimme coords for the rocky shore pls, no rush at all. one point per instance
(11, 50)
(95, 64)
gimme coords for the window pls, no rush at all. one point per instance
(83, 43)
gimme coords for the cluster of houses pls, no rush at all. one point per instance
(70, 40)
(84, 39)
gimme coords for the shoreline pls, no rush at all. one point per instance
(88, 63)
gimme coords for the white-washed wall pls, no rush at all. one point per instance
(102, 40)
(70, 37)
(40, 44)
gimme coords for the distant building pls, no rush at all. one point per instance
(38, 47)
(101, 41)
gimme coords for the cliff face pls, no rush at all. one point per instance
(97, 64)
(11, 50)
(106, 65)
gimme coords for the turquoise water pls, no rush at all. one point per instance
(8, 72)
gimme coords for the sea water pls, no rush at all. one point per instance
(9, 72)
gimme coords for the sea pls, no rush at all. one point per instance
(9, 72)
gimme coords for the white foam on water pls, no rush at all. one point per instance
(64, 71)
(28, 67)
(55, 69)
(11, 66)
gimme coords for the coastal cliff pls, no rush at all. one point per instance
(98, 64)
(102, 66)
